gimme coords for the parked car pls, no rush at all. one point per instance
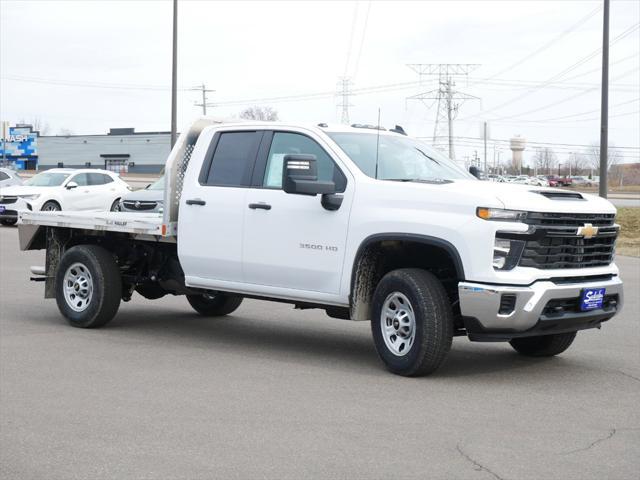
(553, 180)
(146, 200)
(9, 177)
(368, 226)
(496, 178)
(63, 189)
(580, 181)
(538, 181)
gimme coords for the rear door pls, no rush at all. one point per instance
(212, 206)
(292, 241)
(103, 190)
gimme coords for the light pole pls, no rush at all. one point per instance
(174, 74)
(604, 107)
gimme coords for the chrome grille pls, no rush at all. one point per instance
(139, 205)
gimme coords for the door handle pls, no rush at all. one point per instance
(196, 201)
(261, 206)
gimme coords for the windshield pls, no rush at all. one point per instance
(157, 185)
(47, 179)
(399, 158)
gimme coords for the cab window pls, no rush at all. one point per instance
(285, 143)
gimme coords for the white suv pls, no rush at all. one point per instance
(63, 189)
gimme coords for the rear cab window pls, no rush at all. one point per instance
(231, 162)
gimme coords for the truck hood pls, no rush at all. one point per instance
(534, 199)
(145, 195)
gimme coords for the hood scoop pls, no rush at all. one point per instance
(560, 195)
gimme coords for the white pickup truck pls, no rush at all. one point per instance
(364, 223)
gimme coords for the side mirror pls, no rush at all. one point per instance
(300, 176)
(71, 185)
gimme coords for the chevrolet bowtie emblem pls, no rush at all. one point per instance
(587, 231)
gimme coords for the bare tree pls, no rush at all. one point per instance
(65, 132)
(576, 163)
(613, 157)
(40, 126)
(545, 160)
(260, 113)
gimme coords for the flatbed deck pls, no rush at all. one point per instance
(124, 222)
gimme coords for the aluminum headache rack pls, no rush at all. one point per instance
(177, 163)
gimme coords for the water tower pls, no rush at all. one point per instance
(517, 145)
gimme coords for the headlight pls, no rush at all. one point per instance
(506, 253)
(29, 197)
(500, 214)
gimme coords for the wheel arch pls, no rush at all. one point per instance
(380, 253)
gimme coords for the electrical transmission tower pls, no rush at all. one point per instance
(344, 92)
(446, 96)
(204, 103)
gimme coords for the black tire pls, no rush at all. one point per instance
(214, 305)
(104, 300)
(431, 309)
(115, 206)
(8, 222)
(51, 206)
(544, 345)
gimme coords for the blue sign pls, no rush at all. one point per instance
(19, 143)
(591, 299)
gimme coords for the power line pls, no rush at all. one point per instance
(362, 38)
(559, 75)
(558, 102)
(548, 44)
(204, 103)
(448, 99)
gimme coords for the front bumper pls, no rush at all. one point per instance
(480, 305)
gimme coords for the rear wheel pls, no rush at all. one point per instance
(51, 206)
(544, 345)
(412, 322)
(214, 305)
(88, 286)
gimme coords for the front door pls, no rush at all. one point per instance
(212, 206)
(78, 198)
(291, 241)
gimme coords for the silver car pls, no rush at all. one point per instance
(147, 200)
(9, 177)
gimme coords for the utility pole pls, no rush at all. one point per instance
(485, 146)
(344, 92)
(204, 103)
(604, 108)
(174, 75)
(447, 98)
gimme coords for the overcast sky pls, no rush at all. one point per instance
(91, 65)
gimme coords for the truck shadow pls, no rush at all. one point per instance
(307, 341)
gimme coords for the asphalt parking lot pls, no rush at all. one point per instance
(270, 392)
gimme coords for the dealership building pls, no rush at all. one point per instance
(122, 150)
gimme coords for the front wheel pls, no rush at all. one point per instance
(88, 286)
(115, 206)
(412, 322)
(543, 345)
(214, 305)
(51, 206)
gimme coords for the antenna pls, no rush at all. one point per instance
(377, 142)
